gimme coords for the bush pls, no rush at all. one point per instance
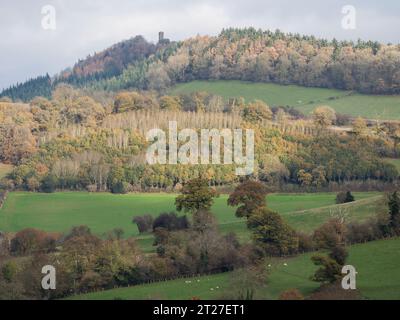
(144, 223)
(30, 240)
(49, 184)
(32, 184)
(77, 232)
(9, 271)
(339, 254)
(257, 111)
(329, 272)
(170, 222)
(330, 234)
(344, 197)
(246, 284)
(4, 244)
(116, 234)
(342, 119)
(394, 212)
(160, 238)
(370, 230)
(193, 252)
(291, 295)
(3, 197)
(91, 188)
(306, 243)
(335, 292)
(120, 187)
(360, 232)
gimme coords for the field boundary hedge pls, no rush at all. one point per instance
(3, 198)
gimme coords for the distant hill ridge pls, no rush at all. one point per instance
(235, 54)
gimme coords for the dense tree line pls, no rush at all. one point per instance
(104, 65)
(40, 86)
(265, 56)
(79, 142)
(108, 63)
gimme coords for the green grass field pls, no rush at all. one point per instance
(302, 98)
(102, 212)
(5, 169)
(308, 220)
(378, 278)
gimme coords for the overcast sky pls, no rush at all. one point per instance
(86, 26)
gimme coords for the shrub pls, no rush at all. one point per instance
(291, 294)
(160, 237)
(116, 233)
(330, 234)
(170, 222)
(324, 116)
(331, 266)
(335, 292)
(30, 240)
(4, 244)
(120, 187)
(194, 252)
(306, 243)
(360, 232)
(329, 271)
(32, 184)
(344, 197)
(257, 111)
(49, 184)
(91, 188)
(77, 232)
(394, 212)
(144, 223)
(342, 119)
(373, 229)
(3, 197)
(339, 254)
(9, 271)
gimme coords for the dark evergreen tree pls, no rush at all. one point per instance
(394, 212)
(40, 86)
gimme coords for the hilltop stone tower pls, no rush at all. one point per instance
(161, 36)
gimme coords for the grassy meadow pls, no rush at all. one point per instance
(302, 98)
(102, 212)
(310, 219)
(378, 278)
(378, 275)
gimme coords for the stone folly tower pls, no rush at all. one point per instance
(161, 36)
(161, 39)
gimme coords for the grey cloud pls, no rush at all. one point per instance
(85, 26)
